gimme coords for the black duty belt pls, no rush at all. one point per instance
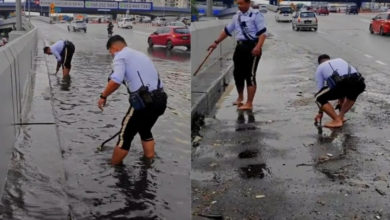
(352, 75)
(246, 42)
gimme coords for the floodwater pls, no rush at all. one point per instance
(91, 187)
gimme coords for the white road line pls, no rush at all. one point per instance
(381, 63)
(368, 55)
(141, 33)
(321, 32)
(365, 20)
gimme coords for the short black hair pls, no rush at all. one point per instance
(323, 57)
(45, 49)
(114, 39)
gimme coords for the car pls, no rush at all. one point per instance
(380, 24)
(263, 9)
(284, 14)
(125, 23)
(77, 25)
(322, 11)
(170, 36)
(353, 9)
(304, 20)
(159, 21)
(332, 9)
(146, 19)
(176, 24)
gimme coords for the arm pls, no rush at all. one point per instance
(224, 34)
(261, 30)
(117, 78)
(58, 66)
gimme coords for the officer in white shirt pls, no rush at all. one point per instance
(336, 79)
(148, 100)
(63, 52)
(248, 26)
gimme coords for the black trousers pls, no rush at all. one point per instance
(141, 122)
(245, 64)
(67, 54)
(349, 88)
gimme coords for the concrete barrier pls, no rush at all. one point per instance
(208, 86)
(16, 60)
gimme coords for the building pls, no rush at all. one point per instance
(172, 3)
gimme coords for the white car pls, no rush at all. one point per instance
(77, 25)
(159, 21)
(125, 23)
(284, 14)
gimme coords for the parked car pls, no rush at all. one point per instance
(159, 21)
(305, 20)
(353, 9)
(125, 23)
(284, 14)
(322, 11)
(176, 24)
(380, 24)
(77, 25)
(170, 37)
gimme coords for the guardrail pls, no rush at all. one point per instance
(16, 62)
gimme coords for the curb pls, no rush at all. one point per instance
(204, 99)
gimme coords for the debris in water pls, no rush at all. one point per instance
(260, 196)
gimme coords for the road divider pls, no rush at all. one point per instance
(15, 79)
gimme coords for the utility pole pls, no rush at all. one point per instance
(18, 10)
(209, 12)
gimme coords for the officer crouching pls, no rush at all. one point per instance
(248, 26)
(336, 79)
(148, 100)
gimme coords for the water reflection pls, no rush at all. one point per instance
(174, 55)
(139, 190)
(242, 123)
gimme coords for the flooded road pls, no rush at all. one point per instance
(273, 163)
(92, 188)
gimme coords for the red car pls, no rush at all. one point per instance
(322, 11)
(380, 24)
(170, 37)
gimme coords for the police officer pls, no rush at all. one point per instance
(249, 29)
(336, 79)
(137, 72)
(63, 52)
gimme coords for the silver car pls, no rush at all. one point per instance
(305, 20)
(77, 26)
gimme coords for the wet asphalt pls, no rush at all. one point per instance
(92, 188)
(272, 162)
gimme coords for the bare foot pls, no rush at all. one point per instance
(345, 119)
(238, 102)
(246, 106)
(334, 124)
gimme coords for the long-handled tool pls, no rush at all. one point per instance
(200, 66)
(100, 148)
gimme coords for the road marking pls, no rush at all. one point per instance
(381, 63)
(141, 33)
(321, 32)
(368, 55)
(365, 20)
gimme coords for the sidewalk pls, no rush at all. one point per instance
(37, 155)
(252, 165)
